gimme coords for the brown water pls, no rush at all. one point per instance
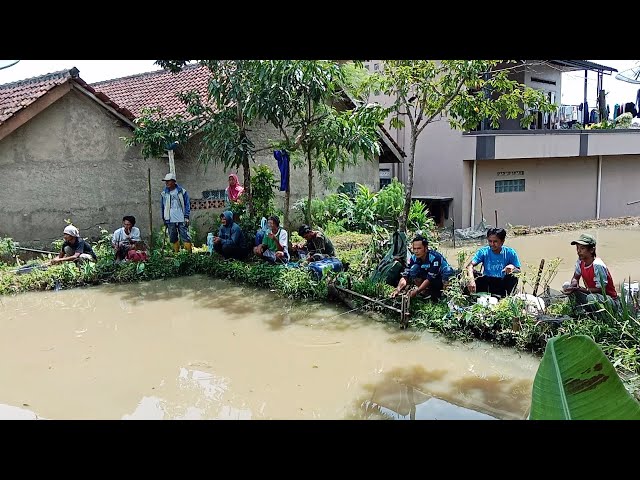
(197, 348)
(618, 248)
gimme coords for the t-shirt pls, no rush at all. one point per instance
(176, 214)
(596, 275)
(494, 263)
(80, 247)
(320, 244)
(283, 238)
(120, 237)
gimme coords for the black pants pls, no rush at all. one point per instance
(230, 251)
(434, 289)
(496, 286)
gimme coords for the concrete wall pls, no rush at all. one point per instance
(196, 178)
(620, 180)
(69, 162)
(557, 190)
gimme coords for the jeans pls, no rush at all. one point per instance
(174, 228)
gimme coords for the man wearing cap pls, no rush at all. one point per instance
(594, 274)
(74, 248)
(174, 202)
(317, 244)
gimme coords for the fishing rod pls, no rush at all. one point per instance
(36, 250)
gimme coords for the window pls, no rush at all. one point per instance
(384, 182)
(504, 186)
(213, 194)
(348, 187)
(376, 66)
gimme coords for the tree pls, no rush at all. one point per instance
(304, 102)
(465, 91)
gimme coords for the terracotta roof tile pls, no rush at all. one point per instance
(156, 89)
(16, 96)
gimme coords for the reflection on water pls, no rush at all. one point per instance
(417, 393)
(204, 392)
(9, 412)
(197, 348)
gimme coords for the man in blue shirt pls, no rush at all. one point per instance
(428, 270)
(498, 265)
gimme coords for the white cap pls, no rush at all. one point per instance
(169, 176)
(71, 230)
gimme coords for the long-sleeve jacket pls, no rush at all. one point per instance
(165, 202)
(231, 233)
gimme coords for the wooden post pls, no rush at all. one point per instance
(535, 288)
(496, 212)
(453, 231)
(150, 209)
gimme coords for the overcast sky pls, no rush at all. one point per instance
(96, 70)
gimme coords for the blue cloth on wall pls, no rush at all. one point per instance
(283, 165)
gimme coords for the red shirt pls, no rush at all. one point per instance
(595, 275)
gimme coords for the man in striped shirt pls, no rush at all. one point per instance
(599, 286)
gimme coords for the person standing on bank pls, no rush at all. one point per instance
(175, 205)
(499, 263)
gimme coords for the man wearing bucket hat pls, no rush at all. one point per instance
(74, 248)
(175, 206)
(599, 286)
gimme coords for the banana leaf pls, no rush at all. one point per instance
(576, 381)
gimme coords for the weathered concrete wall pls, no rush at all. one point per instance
(193, 176)
(69, 162)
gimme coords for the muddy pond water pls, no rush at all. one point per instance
(199, 348)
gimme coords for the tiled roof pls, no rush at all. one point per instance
(156, 89)
(17, 96)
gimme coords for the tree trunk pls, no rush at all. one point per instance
(309, 219)
(402, 224)
(247, 186)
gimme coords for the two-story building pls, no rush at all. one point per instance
(536, 176)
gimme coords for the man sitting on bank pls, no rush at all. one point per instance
(317, 246)
(275, 244)
(230, 241)
(126, 238)
(426, 273)
(74, 248)
(499, 263)
(595, 275)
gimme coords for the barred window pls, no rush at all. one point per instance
(384, 182)
(213, 194)
(505, 186)
(348, 187)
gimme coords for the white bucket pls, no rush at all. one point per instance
(487, 300)
(533, 305)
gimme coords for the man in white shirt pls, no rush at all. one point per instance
(275, 244)
(125, 238)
